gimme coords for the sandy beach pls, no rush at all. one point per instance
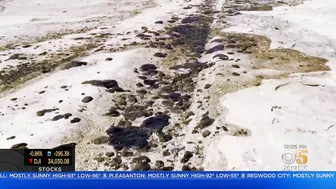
(170, 84)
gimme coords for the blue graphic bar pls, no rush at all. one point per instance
(170, 175)
(168, 180)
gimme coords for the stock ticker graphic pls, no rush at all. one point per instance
(37, 160)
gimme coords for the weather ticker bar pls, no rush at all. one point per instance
(177, 175)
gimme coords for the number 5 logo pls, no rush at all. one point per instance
(301, 157)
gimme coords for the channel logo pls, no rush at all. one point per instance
(295, 160)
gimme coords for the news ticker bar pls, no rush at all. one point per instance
(170, 175)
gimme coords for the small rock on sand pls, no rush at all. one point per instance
(20, 146)
(206, 133)
(87, 99)
(75, 120)
(11, 138)
(100, 140)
